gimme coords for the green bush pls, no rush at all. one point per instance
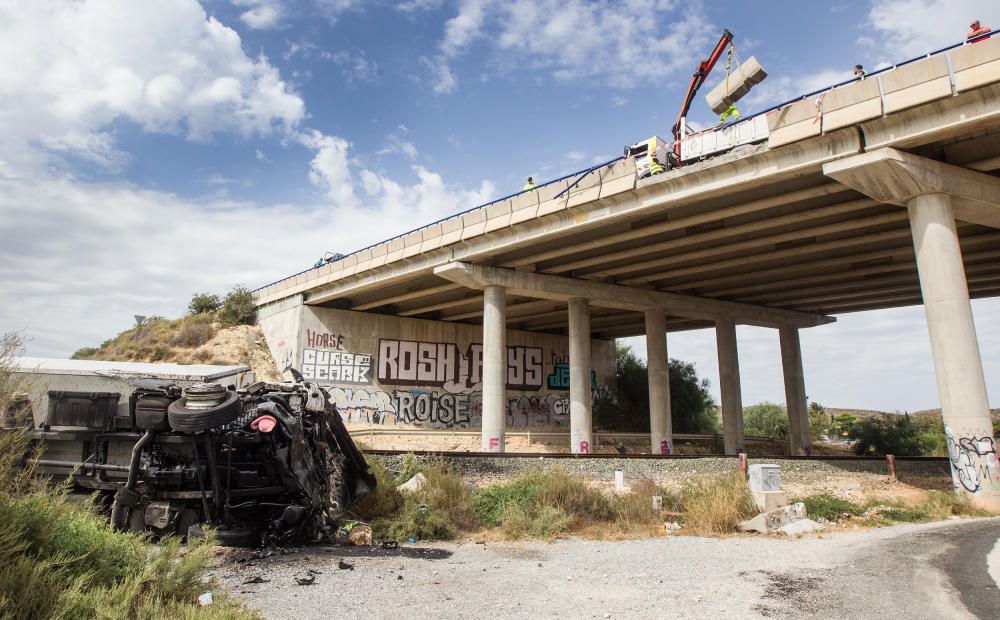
(886, 434)
(829, 507)
(194, 331)
(766, 419)
(204, 303)
(238, 307)
(84, 353)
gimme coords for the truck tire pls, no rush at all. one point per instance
(184, 420)
(237, 536)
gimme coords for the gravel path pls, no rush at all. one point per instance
(674, 576)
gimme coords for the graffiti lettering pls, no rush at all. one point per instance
(336, 366)
(433, 408)
(325, 340)
(373, 407)
(664, 446)
(584, 447)
(559, 379)
(409, 362)
(973, 462)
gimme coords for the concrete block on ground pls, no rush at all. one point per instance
(769, 500)
(451, 230)
(764, 477)
(851, 104)
(977, 64)
(915, 83)
(800, 527)
(473, 223)
(739, 82)
(793, 123)
(415, 483)
(774, 519)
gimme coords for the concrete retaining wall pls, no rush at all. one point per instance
(413, 372)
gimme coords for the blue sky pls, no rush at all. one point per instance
(149, 150)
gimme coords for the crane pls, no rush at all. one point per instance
(699, 77)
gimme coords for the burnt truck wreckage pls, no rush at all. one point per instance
(270, 464)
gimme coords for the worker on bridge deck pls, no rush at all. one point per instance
(859, 72)
(655, 167)
(730, 112)
(530, 185)
(977, 30)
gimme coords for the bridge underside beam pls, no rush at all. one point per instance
(623, 297)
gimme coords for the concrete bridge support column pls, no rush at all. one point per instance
(494, 368)
(729, 386)
(580, 420)
(795, 391)
(660, 427)
(957, 363)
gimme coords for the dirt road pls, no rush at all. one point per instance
(896, 572)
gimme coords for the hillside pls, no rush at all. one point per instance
(195, 339)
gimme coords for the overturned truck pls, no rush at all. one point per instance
(269, 464)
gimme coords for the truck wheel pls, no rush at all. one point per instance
(186, 420)
(237, 536)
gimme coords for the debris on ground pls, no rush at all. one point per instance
(774, 520)
(802, 526)
(306, 581)
(415, 483)
(342, 565)
(257, 579)
(205, 599)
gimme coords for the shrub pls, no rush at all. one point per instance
(84, 353)
(829, 507)
(718, 505)
(887, 434)
(194, 331)
(204, 303)
(766, 419)
(545, 522)
(238, 307)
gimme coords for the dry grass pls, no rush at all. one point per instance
(715, 506)
(157, 339)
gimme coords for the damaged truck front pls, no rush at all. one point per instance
(269, 464)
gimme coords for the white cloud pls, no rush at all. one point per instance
(329, 169)
(261, 14)
(618, 101)
(333, 9)
(166, 66)
(259, 154)
(622, 43)
(356, 66)
(397, 142)
(908, 28)
(443, 79)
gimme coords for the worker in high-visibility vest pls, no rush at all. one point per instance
(655, 167)
(977, 30)
(729, 113)
(859, 72)
(530, 185)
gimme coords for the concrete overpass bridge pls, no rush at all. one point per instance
(874, 194)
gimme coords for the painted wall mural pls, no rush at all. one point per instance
(974, 465)
(379, 373)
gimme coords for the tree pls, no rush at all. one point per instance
(238, 307)
(887, 434)
(627, 407)
(842, 424)
(766, 419)
(819, 421)
(204, 303)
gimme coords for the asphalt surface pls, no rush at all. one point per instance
(939, 570)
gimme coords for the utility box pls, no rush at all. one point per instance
(765, 478)
(737, 84)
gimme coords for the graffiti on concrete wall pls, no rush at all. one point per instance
(363, 405)
(437, 409)
(974, 464)
(325, 359)
(441, 364)
(559, 379)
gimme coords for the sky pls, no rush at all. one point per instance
(152, 150)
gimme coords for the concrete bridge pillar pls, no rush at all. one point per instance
(580, 395)
(729, 386)
(955, 349)
(660, 427)
(494, 368)
(795, 391)
(934, 194)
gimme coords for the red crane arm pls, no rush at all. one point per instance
(699, 77)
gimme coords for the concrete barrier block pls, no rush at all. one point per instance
(348, 264)
(364, 259)
(396, 248)
(618, 177)
(431, 238)
(548, 203)
(473, 223)
(851, 104)
(736, 85)
(498, 215)
(976, 64)
(379, 254)
(793, 123)
(588, 189)
(451, 230)
(915, 83)
(411, 243)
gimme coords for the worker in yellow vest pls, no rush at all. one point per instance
(655, 167)
(730, 112)
(530, 185)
